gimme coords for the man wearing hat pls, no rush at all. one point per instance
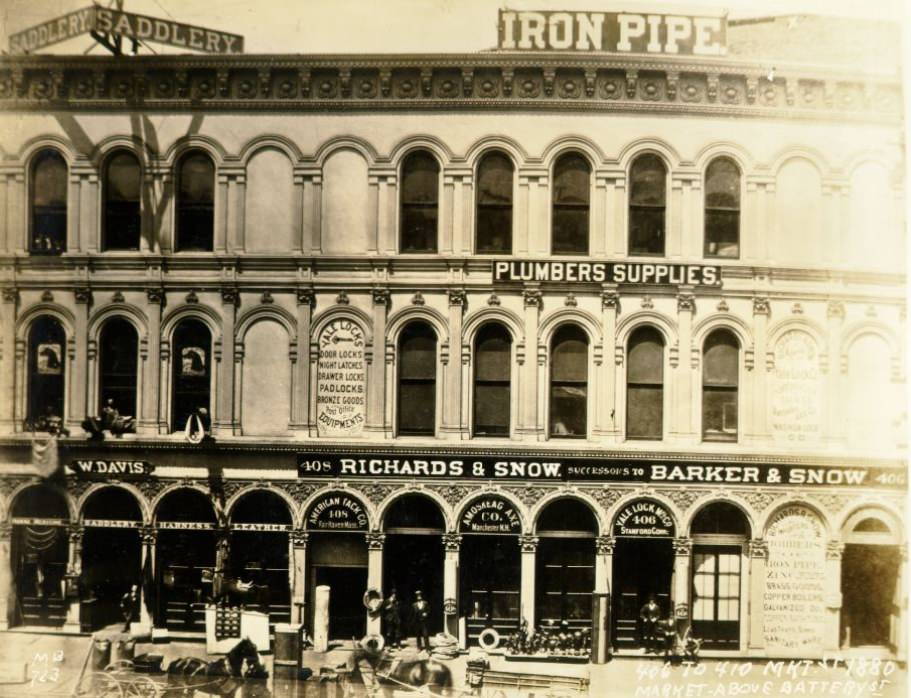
(420, 609)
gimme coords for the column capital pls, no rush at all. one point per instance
(682, 546)
(686, 302)
(75, 533)
(605, 545)
(6, 532)
(835, 309)
(230, 296)
(532, 298)
(375, 540)
(299, 538)
(759, 549)
(834, 550)
(83, 296)
(148, 535)
(610, 300)
(306, 296)
(528, 544)
(380, 296)
(452, 542)
(458, 297)
(155, 296)
(760, 305)
(10, 295)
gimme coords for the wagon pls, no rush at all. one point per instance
(120, 680)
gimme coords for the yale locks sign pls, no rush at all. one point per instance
(614, 32)
(644, 519)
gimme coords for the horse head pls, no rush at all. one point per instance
(245, 649)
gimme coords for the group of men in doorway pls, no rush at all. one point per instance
(419, 617)
(663, 635)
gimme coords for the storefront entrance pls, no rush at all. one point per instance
(111, 555)
(185, 560)
(337, 554)
(413, 557)
(565, 571)
(869, 582)
(258, 553)
(489, 567)
(40, 549)
(642, 568)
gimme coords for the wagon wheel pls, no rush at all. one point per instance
(143, 687)
(106, 685)
(120, 665)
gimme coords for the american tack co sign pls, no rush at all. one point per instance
(614, 32)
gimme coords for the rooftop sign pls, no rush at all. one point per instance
(125, 24)
(613, 32)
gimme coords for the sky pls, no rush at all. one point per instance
(392, 26)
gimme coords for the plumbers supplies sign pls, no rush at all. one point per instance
(613, 32)
(644, 519)
(490, 515)
(125, 24)
(608, 273)
(793, 605)
(341, 392)
(337, 512)
(555, 468)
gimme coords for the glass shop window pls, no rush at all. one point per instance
(493, 213)
(48, 192)
(195, 203)
(571, 196)
(721, 359)
(417, 359)
(722, 209)
(569, 383)
(647, 202)
(122, 217)
(645, 385)
(420, 202)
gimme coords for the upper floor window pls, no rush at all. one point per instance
(417, 359)
(48, 203)
(720, 379)
(571, 195)
(46, 369)
(645, 385)
(492, 363)
(569, 383)
(191, 369)
(122, 224)
(195, 203)
(118, 348)
(647, 200)
(722, 209)
(494, 204)
(420, 202)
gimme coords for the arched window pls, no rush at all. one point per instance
(721, 359)
(191, 371)
(118, 349)
(417, 358)
(46, 368)
(722, 209)
(122, 223)
(195, 202)
(492, 352)
(420, 196)
(48, 203)
(494, 204)
(645, 385)
(569, 383)
(571, 194)
(647, 198)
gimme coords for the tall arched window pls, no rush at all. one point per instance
(48, 188)
(46, 368)
(571, 195)
(122, 224)
(569, 383)
(118, 349)
(645, 385)
(722, 209)
(494, 204)
(492, 357)
(647, 200)
(191, 371)
(195, 202)
(417, 359)
(721, 359)
(420, 197)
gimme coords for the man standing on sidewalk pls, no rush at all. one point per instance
(421, 611)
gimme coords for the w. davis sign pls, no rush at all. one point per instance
(96, 467)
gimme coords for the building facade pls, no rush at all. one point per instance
(522, 331)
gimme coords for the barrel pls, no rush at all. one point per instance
(101, 653)
(288, 648)
(124, 649)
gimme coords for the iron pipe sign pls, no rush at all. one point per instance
(608, 272)
(613, 32)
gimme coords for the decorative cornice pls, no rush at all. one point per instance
(431, 81)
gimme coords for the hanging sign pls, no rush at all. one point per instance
(644, 519)
(341, 380)
(615, 32)
(608, 272)
(112, 468)
(112, 523)
(337, 512)
(490, 515)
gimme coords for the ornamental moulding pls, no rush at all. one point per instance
(277, 82)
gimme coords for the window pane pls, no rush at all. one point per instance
(491, 408)
(644, 412)
(416, 407)
(492, 354)
(122, 208)
(123, 178)
(417, 380)
(47, 364)
(494, 229)
(646, 356)
(419, 228)
(191, 368)
(721, 359)
(570, 230)
(722, 233)
(567, 411)
(196, 192)
(571, 180)
(648, 181)
(719, 412)
(722, 184)
(418, 356)
(495, 176)
(118, 354)
(420, 179)
(646, 230)
(48, 192)
(570, 356)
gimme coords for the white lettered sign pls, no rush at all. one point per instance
(341, 393)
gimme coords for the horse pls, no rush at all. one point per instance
(221, 678)
(425, 674)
